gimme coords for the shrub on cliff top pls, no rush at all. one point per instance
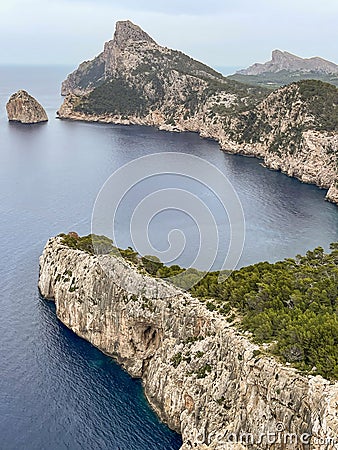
(293, 304)
(92, 243)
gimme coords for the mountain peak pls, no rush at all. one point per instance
(281, 60)
(279, 54)
(127, 31)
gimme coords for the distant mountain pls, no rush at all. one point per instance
(285, 68)
(291, 63)
(136, 81)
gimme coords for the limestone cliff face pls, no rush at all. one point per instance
(201, 376)
(22, 107)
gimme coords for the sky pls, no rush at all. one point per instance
(221, 33)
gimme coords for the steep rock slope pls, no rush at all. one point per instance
(22, 107)
(136, 81)
(201, 376)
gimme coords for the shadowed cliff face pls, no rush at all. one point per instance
(22, 107)
(201, 376)
(136, 81)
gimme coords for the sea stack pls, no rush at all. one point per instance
(22, 107)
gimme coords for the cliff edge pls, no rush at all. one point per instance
(202, 377)
(22, 107)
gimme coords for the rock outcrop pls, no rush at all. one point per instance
(291, 63)
(203, 378)
(136, 81)
(22, 107)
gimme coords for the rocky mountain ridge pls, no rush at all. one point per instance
(22, 107)
(136, 81)
(204, 379)
(287, 61)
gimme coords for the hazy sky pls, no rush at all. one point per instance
(217, 32)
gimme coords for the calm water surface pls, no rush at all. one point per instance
(56, 390)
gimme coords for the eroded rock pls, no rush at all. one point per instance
(22, 107)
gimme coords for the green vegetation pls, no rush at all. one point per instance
(129, 254)
(290, 139)
(203, 371)
(92, 243)
(177, 359)
(322, 100)
(291, 304)
(319, 104)
(151, 264)
(115, 96)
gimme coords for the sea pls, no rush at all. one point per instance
(56, 390)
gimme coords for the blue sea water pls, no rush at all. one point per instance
(56, 390)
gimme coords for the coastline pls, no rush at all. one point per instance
(304, 166)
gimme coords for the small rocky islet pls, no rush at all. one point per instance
(23, 108)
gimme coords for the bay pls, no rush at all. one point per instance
(56, 390)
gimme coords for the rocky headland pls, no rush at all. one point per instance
(22, 107)
(136, 81)
(203, 377)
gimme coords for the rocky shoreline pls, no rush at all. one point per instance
(204, 379)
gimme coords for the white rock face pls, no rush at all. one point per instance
(202, 377)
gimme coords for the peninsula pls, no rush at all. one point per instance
(206, 379)
(136, 81)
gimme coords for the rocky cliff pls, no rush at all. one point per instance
(22, 107)
(136, 81)
(203, 378)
